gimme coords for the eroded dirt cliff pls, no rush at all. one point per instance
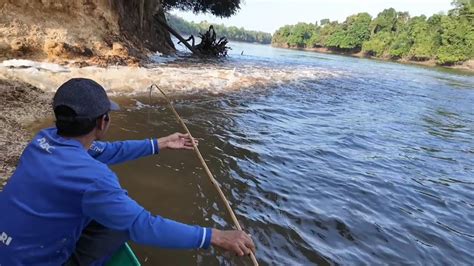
(98, 32)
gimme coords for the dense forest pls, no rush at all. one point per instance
(232, 33)
(444, 38)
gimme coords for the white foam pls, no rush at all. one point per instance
(189, 78)
(159, 58)
(22, 63)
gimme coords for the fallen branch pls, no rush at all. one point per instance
(208, 47)
(175, 34)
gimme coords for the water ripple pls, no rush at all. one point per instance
(351, 162)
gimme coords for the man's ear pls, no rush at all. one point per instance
(101, 123)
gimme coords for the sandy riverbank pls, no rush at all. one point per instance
(20, 105)
(83, 32)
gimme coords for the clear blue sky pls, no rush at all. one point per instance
(269, 15)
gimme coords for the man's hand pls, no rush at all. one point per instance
(233, 240)
(177, 141)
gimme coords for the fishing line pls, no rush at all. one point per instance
(208, 172)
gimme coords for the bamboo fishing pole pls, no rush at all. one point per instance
(208, 172)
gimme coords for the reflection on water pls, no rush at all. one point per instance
(349, 161)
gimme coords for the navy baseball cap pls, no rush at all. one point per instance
(85, 97)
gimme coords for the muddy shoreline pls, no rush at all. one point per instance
(20, 105)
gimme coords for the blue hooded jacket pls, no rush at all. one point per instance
(59, 187)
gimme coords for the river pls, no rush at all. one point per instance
(326, 159)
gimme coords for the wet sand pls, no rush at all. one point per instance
(20, 105)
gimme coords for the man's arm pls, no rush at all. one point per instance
(107, 203)
(121, 151)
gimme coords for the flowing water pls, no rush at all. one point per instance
(326, 159)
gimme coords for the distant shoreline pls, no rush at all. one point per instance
(467, 66)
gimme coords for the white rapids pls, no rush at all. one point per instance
(173, 77)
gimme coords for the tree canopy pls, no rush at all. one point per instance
(220, 8)
(352, 33)
(445, 38)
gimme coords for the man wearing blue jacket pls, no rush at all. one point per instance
(63, 205)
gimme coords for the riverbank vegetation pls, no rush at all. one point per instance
(445, 39)
(232, 33)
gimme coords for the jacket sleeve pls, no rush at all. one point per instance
(121, 151)
(107, 203)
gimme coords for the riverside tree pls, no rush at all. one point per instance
(457, 36)
(444, 38)
(220, 8)
(352, 33)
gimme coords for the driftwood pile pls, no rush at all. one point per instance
(209, 45)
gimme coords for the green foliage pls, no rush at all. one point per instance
(300, 34)
(385, 21)
(423, 47)
(282, 36)
(315, 39)
(457, 40)
(220, 8)
(448, 39)
(327, 31)
(382, 32)
(400, 46)
(354, 31)
(336, 38)
(378, 44)
(232, 33)
(463, 8)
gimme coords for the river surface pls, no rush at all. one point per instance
(326, 159)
